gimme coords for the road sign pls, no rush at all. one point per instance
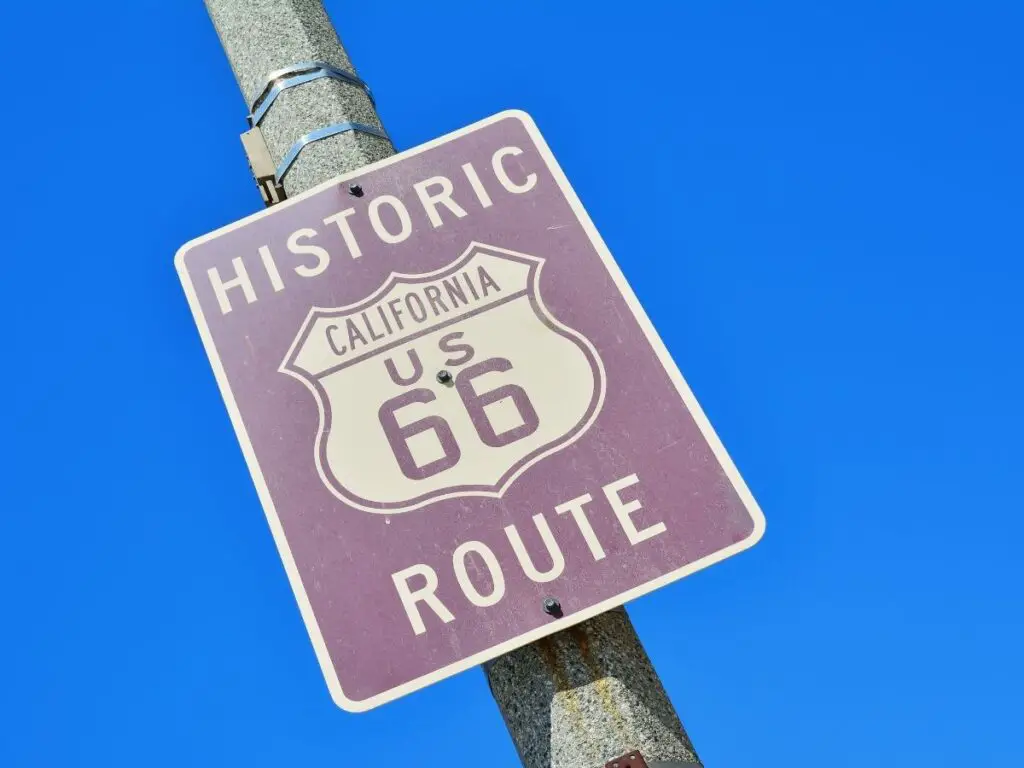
(464, 431)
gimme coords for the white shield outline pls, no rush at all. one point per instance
(496, 490)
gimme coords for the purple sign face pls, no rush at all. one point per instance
(453, 406)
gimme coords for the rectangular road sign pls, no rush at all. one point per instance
(453, 407)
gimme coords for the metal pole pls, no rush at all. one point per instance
(577, 699)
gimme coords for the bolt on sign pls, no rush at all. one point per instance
(464, 431)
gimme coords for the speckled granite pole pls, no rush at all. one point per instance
(264, 36)
(574, 700)
(585, 696)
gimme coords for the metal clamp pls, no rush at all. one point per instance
(262, 166)
(322, 133)
(297, 74)
(268, 177)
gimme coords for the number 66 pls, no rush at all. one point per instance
(398, 436)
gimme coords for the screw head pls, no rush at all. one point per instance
(355, 190)
(444, 377)
(552, 607)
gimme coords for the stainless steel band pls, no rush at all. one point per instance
(298, 74)
(317, 135)
(269, 177)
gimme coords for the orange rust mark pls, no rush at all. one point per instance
(549, 655)
(579, 634)
(569, 694)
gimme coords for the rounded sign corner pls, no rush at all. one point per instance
(760, 525)
(353, 706)
(521, 115)
(181, 253)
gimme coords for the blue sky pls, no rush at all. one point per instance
(818, 204)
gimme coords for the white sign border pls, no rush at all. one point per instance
(305, 607)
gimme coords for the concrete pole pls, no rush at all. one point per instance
(574, 700)
(586, 695)
(261, 37)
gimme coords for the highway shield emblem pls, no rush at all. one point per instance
(444, 384)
